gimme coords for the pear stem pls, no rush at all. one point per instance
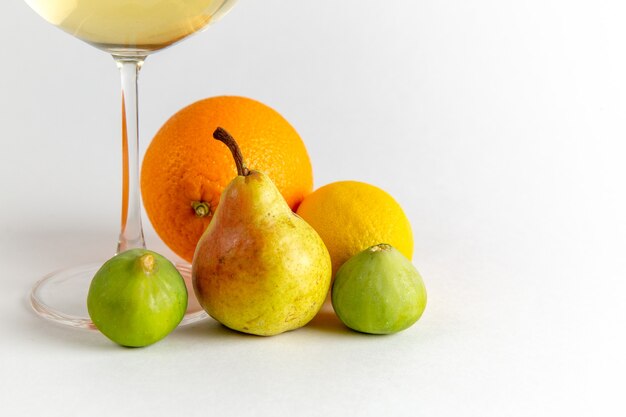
(223, 136)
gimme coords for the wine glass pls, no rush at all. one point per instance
(129, 30)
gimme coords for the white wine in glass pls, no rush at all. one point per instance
(120, 26)
(129, 30)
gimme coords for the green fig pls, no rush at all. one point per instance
(137, 298)
(378, 291)
(259, 268)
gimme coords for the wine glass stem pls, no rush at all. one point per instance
(131, 234)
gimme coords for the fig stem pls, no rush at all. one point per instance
(201, 208)
(147, 263)
(380, 247)
(223, 136)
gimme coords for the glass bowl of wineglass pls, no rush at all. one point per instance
(129, 30)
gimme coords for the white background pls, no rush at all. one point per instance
(498, 125)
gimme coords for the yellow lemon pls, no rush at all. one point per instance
(351, 216)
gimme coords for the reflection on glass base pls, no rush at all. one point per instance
(62, 296)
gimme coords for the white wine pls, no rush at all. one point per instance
(131, 25)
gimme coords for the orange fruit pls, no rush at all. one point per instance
(184, 169)
(351, 216)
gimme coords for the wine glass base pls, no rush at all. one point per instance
(62, 296)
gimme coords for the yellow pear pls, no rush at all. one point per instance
(259, 268)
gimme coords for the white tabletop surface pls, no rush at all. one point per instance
(499, 126)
